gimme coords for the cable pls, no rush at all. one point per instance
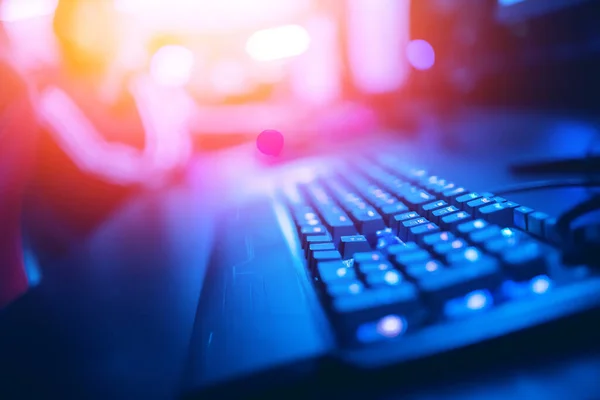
(580, 245)
(563, 224)
(590, 155)
(546, 185)
(588, 165)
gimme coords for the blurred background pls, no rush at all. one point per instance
(229, 70)
(126, 93)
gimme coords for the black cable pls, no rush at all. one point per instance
(590, 155)
(546, 185)
(588, 165)
(564, 222)
(580, 245)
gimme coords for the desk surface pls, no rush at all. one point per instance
(113, 318)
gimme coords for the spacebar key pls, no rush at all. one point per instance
(459, 280)
(377, 313)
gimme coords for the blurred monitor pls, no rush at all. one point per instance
(273, 58)
(269, 63)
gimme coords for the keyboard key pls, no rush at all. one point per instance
(443, 249)
(473, 206)
(480, 236)
(419, 232)
(378, 313)
(344, 288)
(416, 198)
(403, 260)
(461, 201)
(390, 210)
(368, 268)
(306, 215)
(436, 238)
(377, 196)
(386, 239)
(499, 199)
(421, 270)
(525, 262)
(376, 303)
(325, 255)
(499, 213)
(314, 247)
(520, 217)
(399, 218)
(384, 278)
(403, 248)
(430, 180)
(310, 240)
(449, 222)
(535, 223)
(452, 194)
(306, 231)
(334, 271)
(405, 226)
(299, 221)
(353, 244)
(438, 214)
(368, 257)
(339, 226)
(430, 207)
(367, 221)
(464, 256)
(504, 243)
(512, 233)
(451, 283)
(416, 174)
(471, 226)
(440, 186)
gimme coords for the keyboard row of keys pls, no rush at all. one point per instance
(488, 206)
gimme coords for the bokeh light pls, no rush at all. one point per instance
(278, 43)
(172, 66)
(420, 54)
(391, 326)
(18, 10)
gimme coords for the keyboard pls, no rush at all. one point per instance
(392, 249)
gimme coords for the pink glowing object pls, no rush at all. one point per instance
(270, 142)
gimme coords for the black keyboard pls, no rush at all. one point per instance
(392, 249)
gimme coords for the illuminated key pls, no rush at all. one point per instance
(418, 233)
(349, 245)
(334, 271)
(430, 207)
(461, 201)
(436, 238)
(520, 217)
